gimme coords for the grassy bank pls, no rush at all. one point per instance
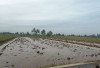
(74, 38)
(5, 38)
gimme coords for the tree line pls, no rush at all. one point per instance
(43, 32)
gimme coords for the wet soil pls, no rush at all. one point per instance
(24, 52)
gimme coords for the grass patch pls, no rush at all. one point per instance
(5, 38)
(73, 38)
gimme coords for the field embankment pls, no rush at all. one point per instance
(75, 38)
(87, 41)
(5, 38)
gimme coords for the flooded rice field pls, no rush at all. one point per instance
(24, 52)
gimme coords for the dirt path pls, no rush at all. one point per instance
(24, 52)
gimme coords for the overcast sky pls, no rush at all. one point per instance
(63, 16)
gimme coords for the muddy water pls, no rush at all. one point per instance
(25, 52)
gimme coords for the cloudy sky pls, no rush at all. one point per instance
(63, 16)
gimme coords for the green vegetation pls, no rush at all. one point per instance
(85, 38)
(5, 38)
(50, 35)
(37, 32)
(73, 38)
(77, 38)
(43, 32)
